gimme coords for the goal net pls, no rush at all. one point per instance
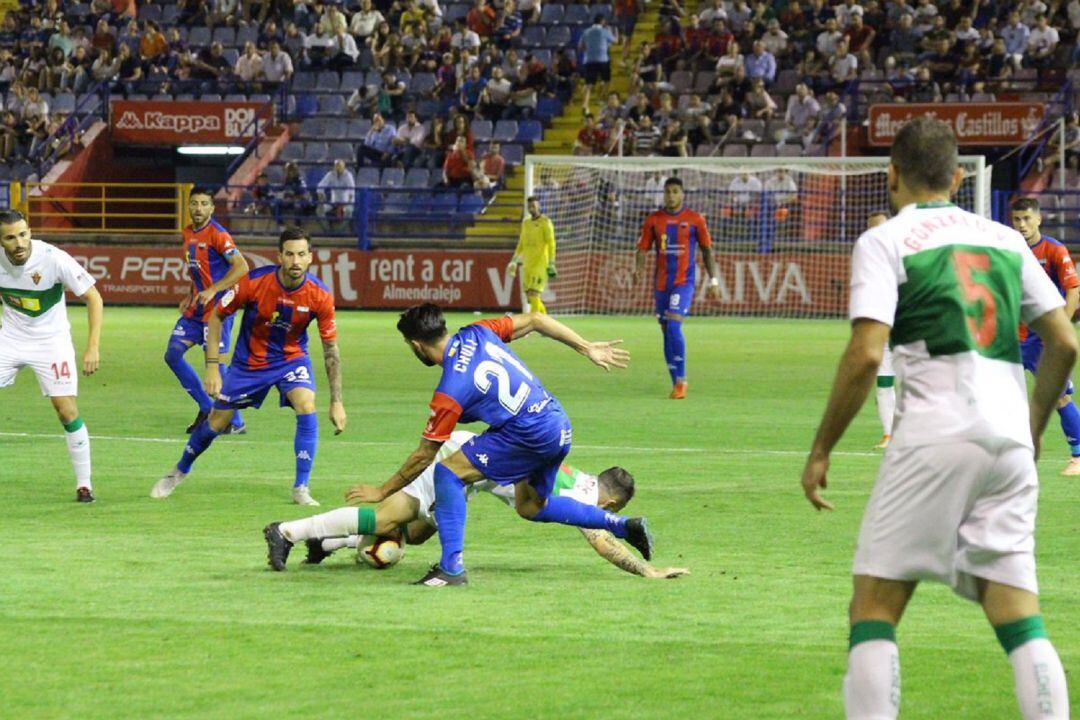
(782, 228)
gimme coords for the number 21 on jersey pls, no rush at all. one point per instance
(495, 368)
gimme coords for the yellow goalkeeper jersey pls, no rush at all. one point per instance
(536, 246)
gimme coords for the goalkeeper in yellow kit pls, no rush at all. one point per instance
(536, 251)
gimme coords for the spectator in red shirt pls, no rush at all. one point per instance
(459, 168)
(668, 45)
(481, 19)
(716, 43)
(591, 139)
(860, 39)
(493, 164)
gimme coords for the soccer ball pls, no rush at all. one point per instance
(378, 552)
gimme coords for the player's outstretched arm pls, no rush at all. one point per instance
(854, 377)
(1058, 358)
(332, 360)
(94, 313)
(415, 464)
(606, 354)
(608, 547)
(238, 268)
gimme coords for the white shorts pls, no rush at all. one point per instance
(886, 363)
(951, 513)
(52, 361)
(423, 489)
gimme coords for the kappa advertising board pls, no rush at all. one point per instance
(150, 122)
(999, 123)
(803, 282)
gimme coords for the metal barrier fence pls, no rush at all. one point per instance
(103, 208)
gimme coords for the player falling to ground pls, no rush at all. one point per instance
(527, 438)
(410, 512)
(214, 265)
(536, 252)
(279, 302)
(885, 397)
(35, 331)
(675, 232)
(1056, 261)
(955, 497)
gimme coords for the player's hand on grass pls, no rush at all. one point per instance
(212, 380)
(655, 573)
(607, 355)
(813, 477)
(337, 417)
(206, 296)
(358, 494)
(91, 361)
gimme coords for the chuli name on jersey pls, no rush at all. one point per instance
(465, 356)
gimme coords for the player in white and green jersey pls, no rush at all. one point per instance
(36, 332)
(885, 396)
(410, 512)
(955, 498)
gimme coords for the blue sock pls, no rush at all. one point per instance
(1070, 425)
(304, 443)
(450, 517)
(678, 350)
(196, 446)
(667, 350)
(236, 421)
(189, 379)
(568, 511)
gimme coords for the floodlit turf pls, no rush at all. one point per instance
(134, 608)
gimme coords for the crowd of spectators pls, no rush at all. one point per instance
(801, 66)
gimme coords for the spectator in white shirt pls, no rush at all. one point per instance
(845, 12)
(828, 39)
(716, 12)
(744, 189)
(843, 66)
(801, 116)
(344, 52)
(365, 20)
(463, 37)
(277, 65)
(781, 188)
(408, 142)
(1042, 43)
(775, 40)
(337, 192)
(249, 66)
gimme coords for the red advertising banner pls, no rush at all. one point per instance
(974, 123)
(151, 122)
(780, 283)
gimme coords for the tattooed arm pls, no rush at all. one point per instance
(332, 358)
(608, 547)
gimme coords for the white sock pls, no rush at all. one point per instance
(886, 406)
(872, 682)
(336, 543)
(1040, 681)
(78, 443)
(329, 524)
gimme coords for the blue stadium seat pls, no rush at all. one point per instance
(331, 105)
(224, 35)
(548, 108)
(275, 174)
(199, 37)
(735, 150)
(577, 15)
(327, 80)
(505, 131)
(444, 202)
(64, 103)
(316, 152)
(373, 78)
(535, 36)
(529, 131)
(313, 176)
(148, 13)
(358, 128)
(455, 12)
(342, 151)
(421, 83)
(304, 81)
(335, 128)
(417, 178)
(481, 130)
(367, 177)
(210, 97)
(513, 154)
(352, 79)
(763, 150)
(236, 97)
(246, 34)
(471, 203)
(601, 9)
(169, 14)
(558, 36)
(231, 55)
(543, 55)
(392, 177)
(552, 14)
(292, 151)
(162, 97)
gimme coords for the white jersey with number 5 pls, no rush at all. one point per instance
(953, 287)
(33, 294)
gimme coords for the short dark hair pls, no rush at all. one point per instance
(598, 19)
(672, 181)
(531, 198)
(292, 232)
(201, 190)
(10, 217)
(618, 484)
(423, 323)
(1024, 203)
(924, 153)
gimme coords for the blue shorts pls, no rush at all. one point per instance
(1030, 354)
(194, 331)
(676, 300)
(248, 388)
(509, 455)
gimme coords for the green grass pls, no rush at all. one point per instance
(132, 608)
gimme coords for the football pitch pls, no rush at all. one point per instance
(135, 608)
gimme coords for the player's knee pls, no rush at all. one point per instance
(66, 409)
(528, 509)
(304, 406)
(174, 354)
(1064, 400)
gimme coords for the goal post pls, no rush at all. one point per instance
(782, 228)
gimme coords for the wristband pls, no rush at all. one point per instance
(213, 361)
(714, 282)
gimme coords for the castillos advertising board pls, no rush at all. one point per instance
(800, 283)
(149, 122)
(998, 123)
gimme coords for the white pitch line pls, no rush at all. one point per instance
(360, 443)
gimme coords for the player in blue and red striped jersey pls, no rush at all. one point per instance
(675, 233)
(214, 265)
(1058, 264)
(279, 303)
(527, 438)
